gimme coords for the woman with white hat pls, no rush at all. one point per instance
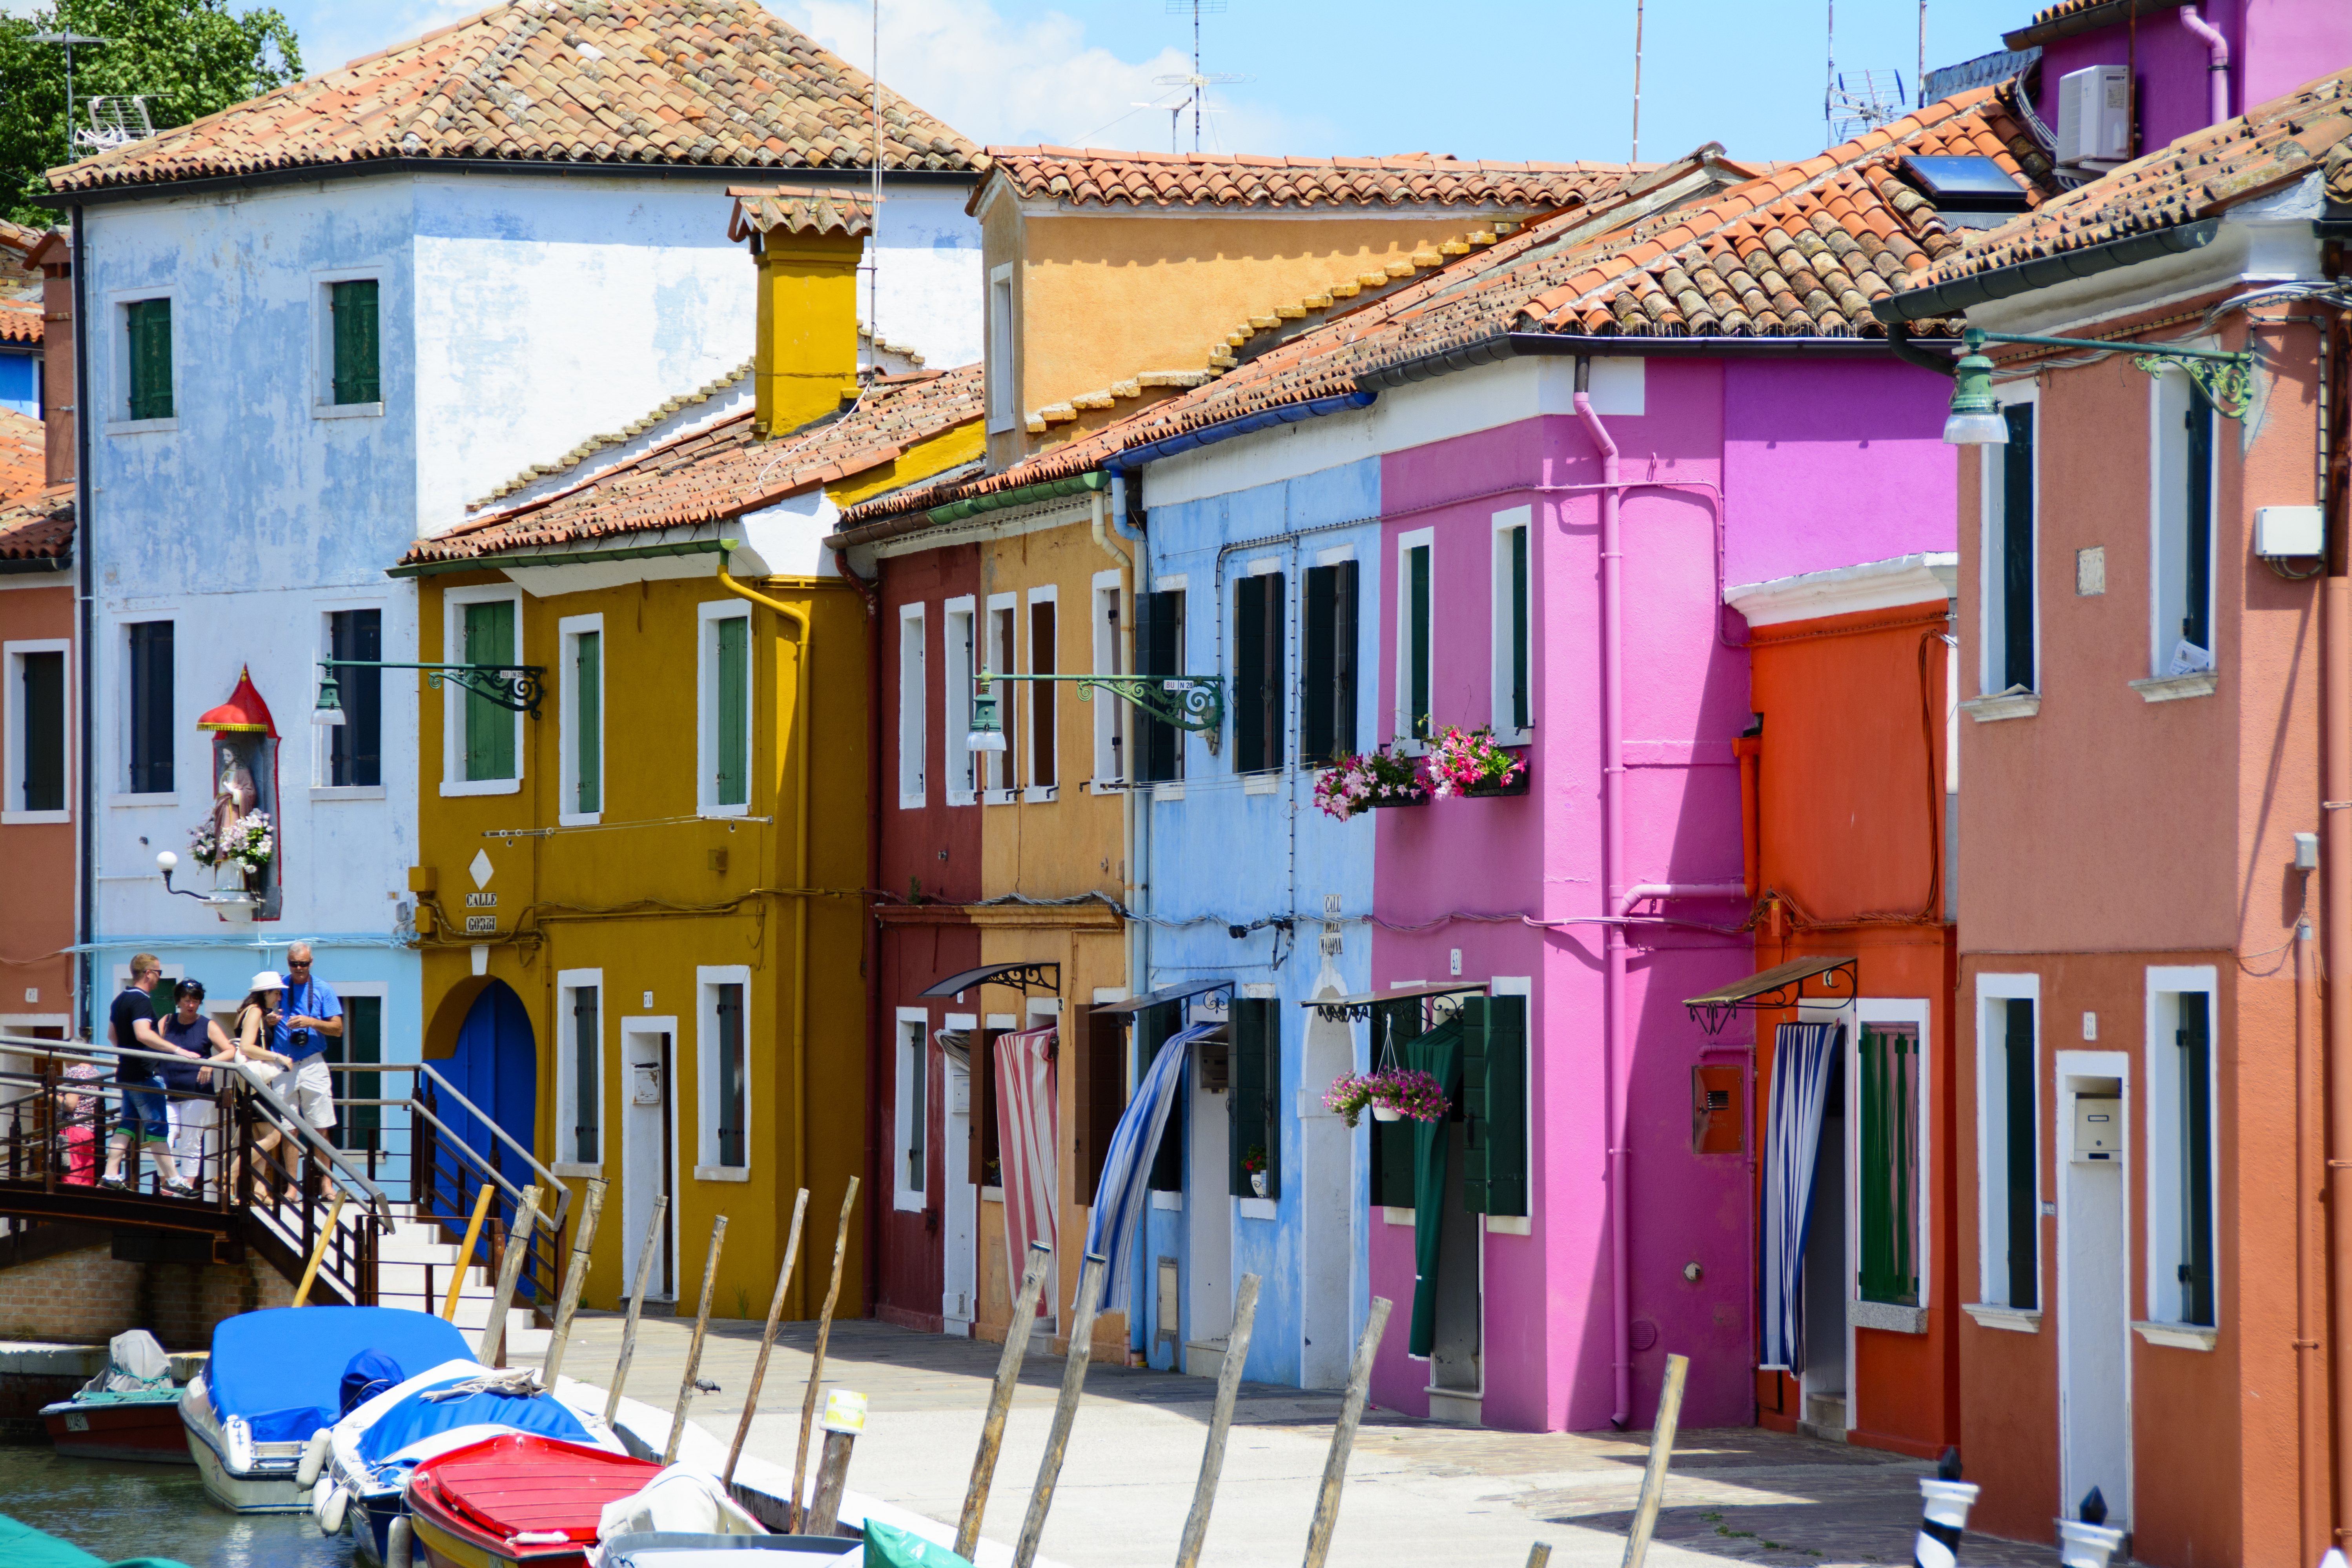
(257, 1015)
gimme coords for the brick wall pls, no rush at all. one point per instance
(90, 1295)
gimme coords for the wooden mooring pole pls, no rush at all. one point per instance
(518, 1250)
(1662, 1451)
(694, 1347)
(816, 1362)
(1213, 1457)
(636, 1303)
(1066, 1409)
(767, 1339)
(1343, 1436)
(576, 1274)
(1000, 1398)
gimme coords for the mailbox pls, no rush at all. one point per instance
(645, 1083)
(2098, 1129)
(1718, 1117)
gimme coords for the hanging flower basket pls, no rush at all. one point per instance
(1390, 1094)
(1468, 762)
(1367, 781)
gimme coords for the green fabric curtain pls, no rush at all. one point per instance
(1439, 1054)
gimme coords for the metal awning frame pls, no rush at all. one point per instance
(1177, 993)
(1354, 1009)
(1021, 978)
(1772, 990)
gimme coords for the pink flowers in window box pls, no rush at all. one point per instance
(1459, 762)
(1468, 762)
(1369, 779)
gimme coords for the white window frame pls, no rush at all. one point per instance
(707, 979)
(322, 342)
(12, 698)
(1995, 1289)
(1507, 734)
(998, 767)
(569, 630)
(2168, 518)
(1991, 530)
(913, 705)
(118, 396)
(1003, 370)
(956, 715)
(1044, 705)
(452, 698)
(568, 982)
(2160, 1167)
(708, 615)
(910, 1068)
(1102, 620)
(1402, 729)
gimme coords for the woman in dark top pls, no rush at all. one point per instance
(194, 1043)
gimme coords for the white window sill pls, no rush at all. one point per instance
(28, 819)
(910, 802)
(2015, 1320)
(1000, 797)
(1397, 1216)
(346, 410)
(1887, 1317)
(2173, 688)
(347, 791)
(2177, 1336)
(1257, 1209)
(1042, 794)
(578, 819)
(992, 1194)
(2003, 705)
(720, 1172)
(1261, 784)
(742, 808)
(136, 800)
(1171, 1201)
(573, 1168)
(1507, 1224)
(962, 797)
(451, 788)
(1172, 791)
(142, 427)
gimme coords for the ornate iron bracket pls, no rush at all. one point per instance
(1196, 702)
(1712, 1012)
(514, 687)
(2225, 377)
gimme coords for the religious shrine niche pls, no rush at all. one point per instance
(240, 838)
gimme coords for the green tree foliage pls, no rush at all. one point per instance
(190, 57)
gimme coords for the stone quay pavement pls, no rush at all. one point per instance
(1417, 1492)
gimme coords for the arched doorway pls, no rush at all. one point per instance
(495, 1067)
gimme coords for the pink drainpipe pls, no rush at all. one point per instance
(1621, 898)
(2217, 54)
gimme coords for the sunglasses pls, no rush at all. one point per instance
(297, 964)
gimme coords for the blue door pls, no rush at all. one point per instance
(496, 1066)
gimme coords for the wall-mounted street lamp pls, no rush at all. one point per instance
(2226, 378)
(514, 687)
(1196, 702)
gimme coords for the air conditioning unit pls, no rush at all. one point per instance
(2095, 115)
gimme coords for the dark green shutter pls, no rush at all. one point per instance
(147, 323)
(489, 729)
(1393, 1157)
(1158, 628)
(1249, 676)
(585, 1037)
(1519, 627)
(1477, 1128)
(41, 735)
(1343, 657)
(355, 746)
(1417, 658)
(362, 1045)
(1890, 1163)
(1495, 1104)
(151, 708)
(2196, 575)
(2017, 549)
(1152, 1027)
(1255, 1078)
(588, 721)
(730, 1079)
(733, 784)
(2023, 1209)
(357, 376)
(2195, 1269)
(1316, 666)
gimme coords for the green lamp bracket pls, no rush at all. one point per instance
(1196, 702)
(514, 687)
(2226, 377)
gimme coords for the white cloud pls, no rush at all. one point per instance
(333, 32)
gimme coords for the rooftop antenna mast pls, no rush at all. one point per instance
(873, 228)
(1197, 78)
(1637, 82)
(66, 41)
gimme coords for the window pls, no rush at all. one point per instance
(351, 307)
(1254, 1093)
(151, 708)
(1152, 1027)
(995, 770)
(1495, 1101)
(147, 343)
(1100, 1098)
(359, 1125)
(2008, 566)
(913, 1071)
(1159, 650)
(34, 703)
(1042, 710)
(580, 1071)
(1413, 699)
(726, 728)
(1003, 386)
(355, 746)
(910, 705)
(2010, 1148)
(1888, 1172)
(2181, 1168)
(963, 779)
(581, 671)
(1513, 700)
(1327, 704)
(2181, 541)
(1260, 620)
(724, 1074)
(1110, 717)
(490, 633)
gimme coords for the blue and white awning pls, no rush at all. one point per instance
(1126, 1185)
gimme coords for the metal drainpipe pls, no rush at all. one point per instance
(86, 583)
(872, 594)
(2336, 960)
(2217, 57)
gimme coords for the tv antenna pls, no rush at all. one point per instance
(116, 122)
(69, 41)
(1194, 79)
(1874, 100)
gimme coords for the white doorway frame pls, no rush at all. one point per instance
(649, 1030)
(2068, 1066)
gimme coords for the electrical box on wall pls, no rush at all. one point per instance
(1211, 1059)
(2283, 532)
(1718, 1116)
(2098, 1129)
(2095, 115)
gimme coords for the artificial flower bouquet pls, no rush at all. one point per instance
(248, 841)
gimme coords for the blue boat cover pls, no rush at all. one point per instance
(281, 1368)
(369, 1374)
(416, 1418)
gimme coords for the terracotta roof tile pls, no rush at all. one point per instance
(721, 471)
(1091, 176)
(798, 209)
(21, 321)
(23, 454)
(38, 526)
(566, 81)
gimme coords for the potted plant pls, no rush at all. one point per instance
(1468, 762)
(1367, 780)
(1389, 1093)
(1349, 1095)
(1253, 1161)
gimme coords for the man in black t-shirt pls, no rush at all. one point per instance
(133, 1026)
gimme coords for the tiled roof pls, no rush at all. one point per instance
(724, 471)
(38, 527)
(21, 321)
(2268, 147)
(1797, 253)
(715, 82)
(2071, 16)
(24, 454)
(1089, 176)
(798, 209)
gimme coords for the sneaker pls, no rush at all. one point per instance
(112, 1183)
(180, 1187)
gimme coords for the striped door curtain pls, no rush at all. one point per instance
(1792, 1142)
(1027, 1127)
(1116, 1221)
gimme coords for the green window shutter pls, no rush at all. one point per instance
(2195, 1269)
(2024, 1209)
(1519, 705)
(357, 375)
(733, 784)
(489, 729)
(585, 1037)
(730, 1079)
(41, 734)
(1890, 1163)
(588, 721)
(362, 1045)
(2197, 570)
(1151, 1032)
(1249, 676)
(1416, 714)
(1392, 1155)
(1256, 1076)
(1495, 1104)
(1343, 657)
(2016, 548)
(147, 324)
(1476, 1132)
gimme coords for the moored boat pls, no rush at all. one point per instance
(517, 1500)
(130, 1411)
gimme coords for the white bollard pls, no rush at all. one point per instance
(1944, 1514)
(2083, 1546)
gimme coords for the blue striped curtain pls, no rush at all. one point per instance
(1116, 1219)
(1792, 1144)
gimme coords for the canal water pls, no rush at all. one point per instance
(119, 1511)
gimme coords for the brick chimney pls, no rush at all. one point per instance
(54, 257)
(807, 243)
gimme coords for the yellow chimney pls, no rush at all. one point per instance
(806, 243)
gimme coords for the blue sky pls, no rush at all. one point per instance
(1492, 78)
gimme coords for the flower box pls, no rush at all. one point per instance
(1519, 784)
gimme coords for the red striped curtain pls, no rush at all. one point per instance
(1027, 1134)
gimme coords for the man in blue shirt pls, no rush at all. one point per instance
(132, 1022)
(309, 1017)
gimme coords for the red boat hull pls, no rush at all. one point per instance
(516, 1500)
(148, 1430)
